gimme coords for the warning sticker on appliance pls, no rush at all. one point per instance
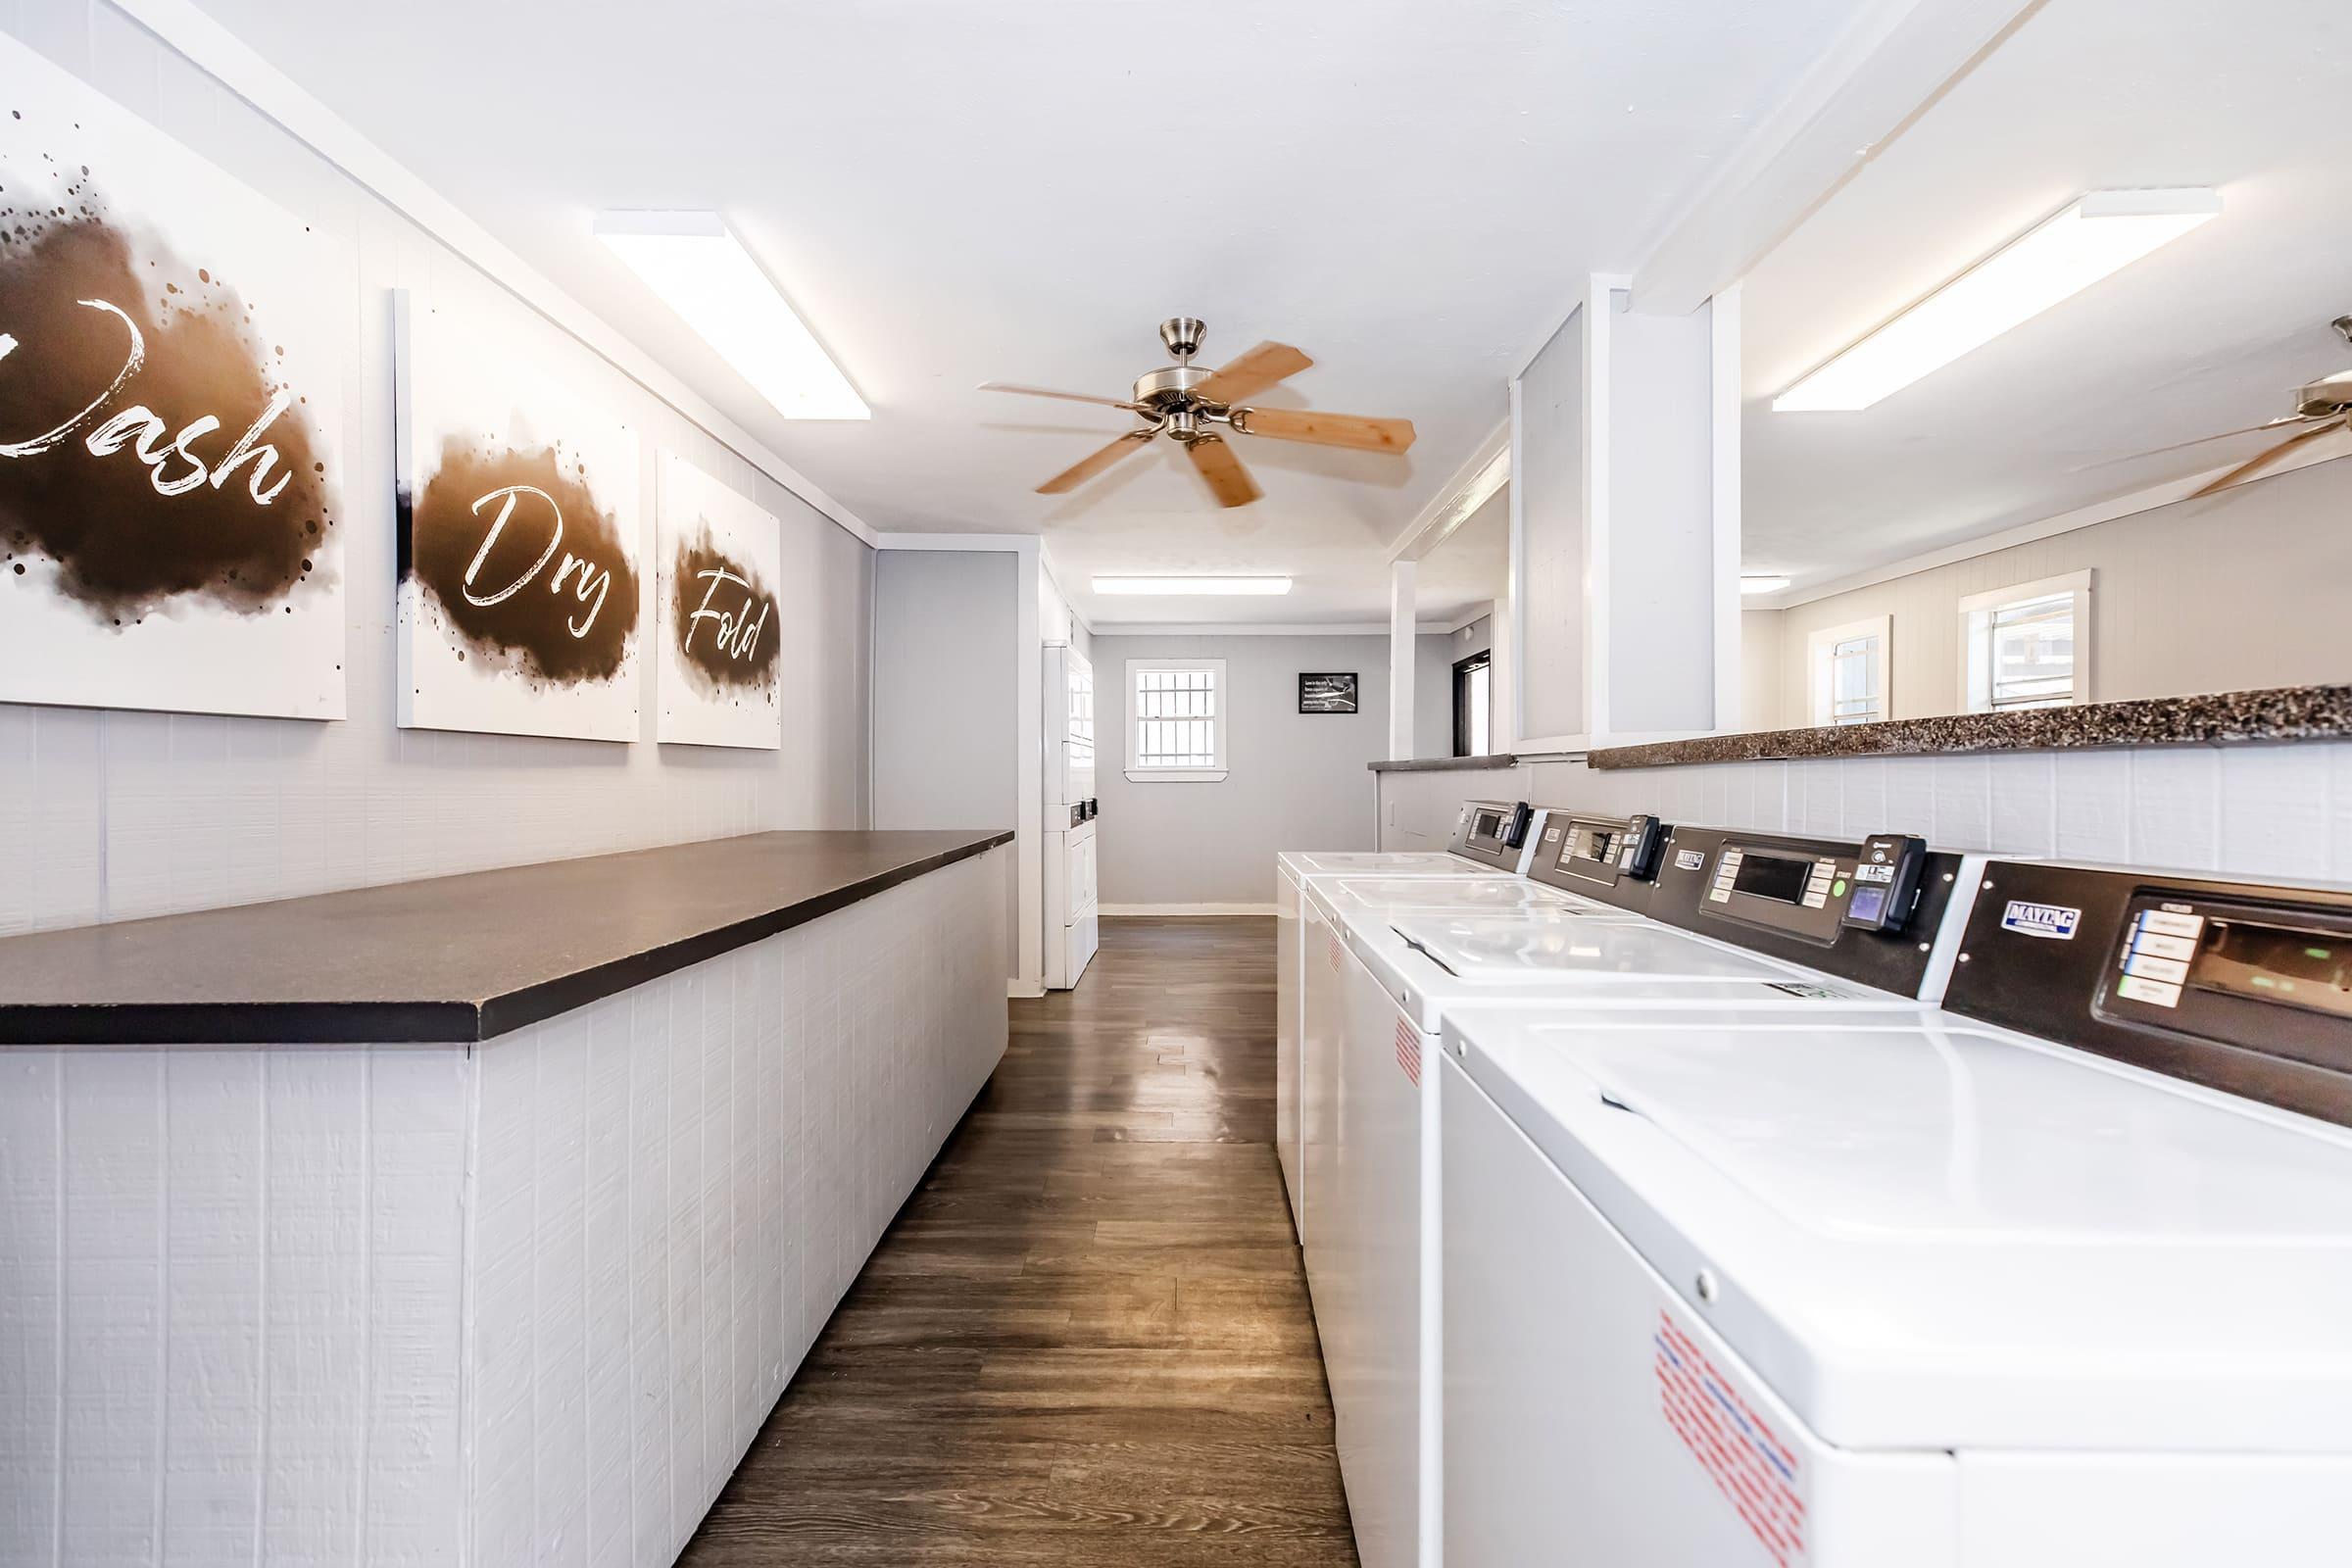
(1408, 1051)
(1759, 1475)
(1333, 952)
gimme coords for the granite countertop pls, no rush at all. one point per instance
(1444, 764)
(2280, 713)
(454, 958)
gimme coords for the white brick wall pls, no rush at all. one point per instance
(2272, 812)
(394, 1304)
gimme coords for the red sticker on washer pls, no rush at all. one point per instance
(1408, 1050)
(1332, 951)
(1758, 1474)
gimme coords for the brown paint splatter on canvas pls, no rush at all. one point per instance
(563, 595)
(737, 654)
(250, 518)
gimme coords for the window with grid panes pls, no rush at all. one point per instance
(2026, 646)
(1848, 672)
(1176, 718)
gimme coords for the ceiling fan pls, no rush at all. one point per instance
(2321, 407)
(1184, 403)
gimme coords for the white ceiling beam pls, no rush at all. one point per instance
(1888, 67)
(1488, 469)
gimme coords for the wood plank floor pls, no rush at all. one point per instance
(1086, 1339)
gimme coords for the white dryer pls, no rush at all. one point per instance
(1490, 842)
(1765, 1288)
(1373, 1252)
(1073, 927)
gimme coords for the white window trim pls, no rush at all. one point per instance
(1974, 606)
(1817, 685)
(1138, 774)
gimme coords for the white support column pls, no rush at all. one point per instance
(1724, 323)
(1402, 631)
(1662, 519)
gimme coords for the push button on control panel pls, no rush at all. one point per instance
(2155, 961)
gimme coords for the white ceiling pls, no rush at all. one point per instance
(2208, 334)
(959, 190)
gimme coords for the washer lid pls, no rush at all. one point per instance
(1398, 863)
(1508, 951)
(1430, 961)
(1929, 1233)
(1494, 893)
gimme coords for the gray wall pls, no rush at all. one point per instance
(1297, 781)
(118, 815)
(946, 736)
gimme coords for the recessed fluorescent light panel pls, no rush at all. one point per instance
(2092, 238)
(1191, 585)
(1763, 583)
(702, 272)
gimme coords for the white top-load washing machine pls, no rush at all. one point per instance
(2012, 1284)
(1491, 841)
(1372, 1249)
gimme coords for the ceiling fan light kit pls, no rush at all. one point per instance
(2090, 238)
(1189, 405)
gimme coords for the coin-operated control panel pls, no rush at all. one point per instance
(2243, 986)
(1868, 910)
(1615, 858)
(1492, 832)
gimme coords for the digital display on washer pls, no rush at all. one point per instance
(2296, 968)
(1587, 843)
(1772, 876)
(1487, 825)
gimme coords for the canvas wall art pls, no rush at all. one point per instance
(521, 590)
(172, 348)
(718, 556)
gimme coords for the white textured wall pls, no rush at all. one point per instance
(2281, 812)
(409, 1305)
(1295, 781)
(110, 815)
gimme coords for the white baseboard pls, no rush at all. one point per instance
(1114, 910)
(1023, 988)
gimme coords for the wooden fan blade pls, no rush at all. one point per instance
(1048, 392)
(1077, 473)
(1326, 430)
(2262, 461)
(1227, 479)
(1253, 372)
(2278, 423)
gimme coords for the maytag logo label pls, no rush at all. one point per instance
(2053, 920)
(1690, 860)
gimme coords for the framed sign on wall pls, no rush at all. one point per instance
(1327, 693)
(172, 348)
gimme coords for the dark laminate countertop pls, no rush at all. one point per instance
(2280, 713)
(1444, 764)
(452, 959)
